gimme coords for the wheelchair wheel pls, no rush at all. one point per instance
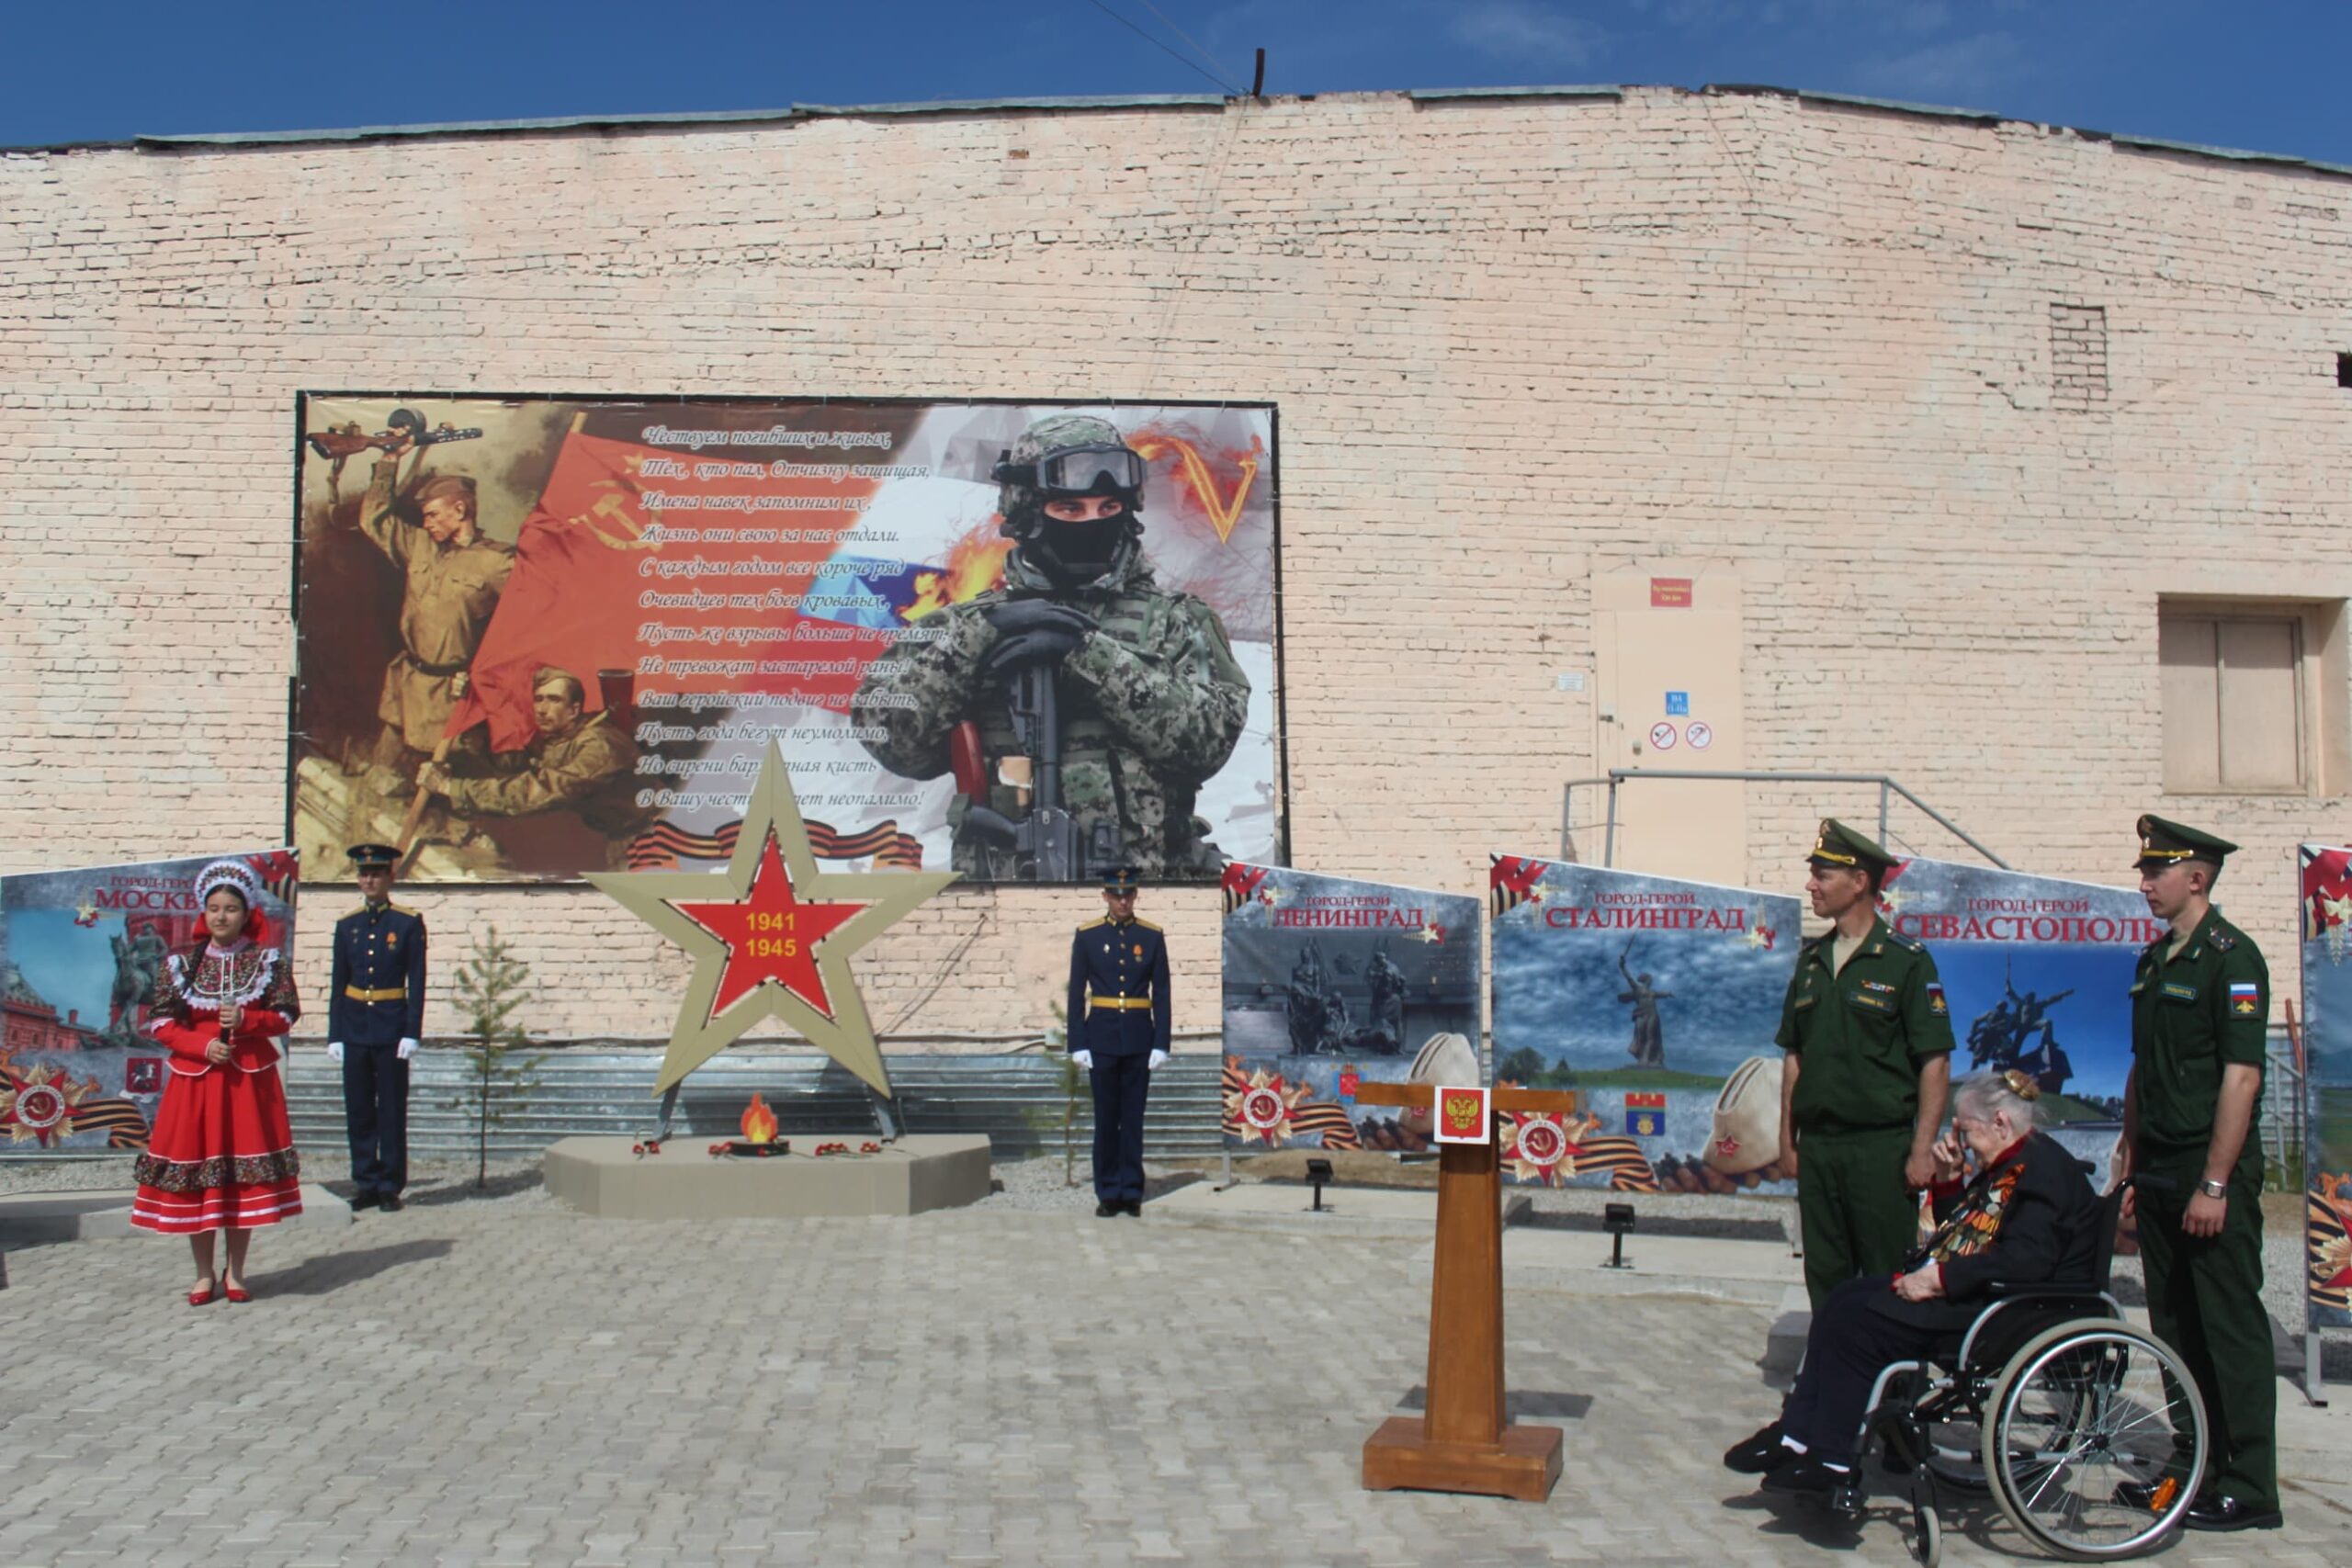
(1926, 1536)
(2082, 1409)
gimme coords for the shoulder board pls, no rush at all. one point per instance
(1908, 943)
(354, 914)
(404, 909)
(1091, 924)
(1146, 925)
(2222, 939)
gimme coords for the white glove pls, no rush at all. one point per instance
(1159, 1060)
(1084, 1059)
(334, 1050)
(405, 1049)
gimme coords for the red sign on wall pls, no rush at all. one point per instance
(1670, 593)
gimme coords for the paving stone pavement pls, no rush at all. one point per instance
(507, 1382)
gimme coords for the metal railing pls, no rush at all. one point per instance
(1616, 778)
(1015, 1098)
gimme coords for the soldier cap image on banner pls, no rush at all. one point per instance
(2163, 843)
(1444, 1059)
(1747, 1132)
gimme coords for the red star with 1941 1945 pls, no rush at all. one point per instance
(770, 935)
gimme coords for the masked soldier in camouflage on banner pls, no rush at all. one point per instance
(1080, 707)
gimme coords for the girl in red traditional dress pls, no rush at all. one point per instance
(222, 1154)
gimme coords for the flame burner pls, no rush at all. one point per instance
(758, 1140)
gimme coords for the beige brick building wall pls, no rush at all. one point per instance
(1514, 342)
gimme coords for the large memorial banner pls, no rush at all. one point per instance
(1329, 982)
(546, 636)
(2037, 972)
(1656, 1002)
(2328, 1064)
(79, 955)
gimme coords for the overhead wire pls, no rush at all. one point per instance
(1162, 46)
(1180, 33)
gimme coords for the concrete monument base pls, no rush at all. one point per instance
(921, 1172)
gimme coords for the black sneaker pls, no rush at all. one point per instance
(1758, 1455)
(1803, 1475)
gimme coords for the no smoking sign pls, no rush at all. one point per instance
(1662, 736)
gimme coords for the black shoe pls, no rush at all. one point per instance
(364, 1201)
(1132, 1208)
(2229, 1514)
(1106, 1209)
(389, 1202)
(1759, 1455)
(1801, 1474)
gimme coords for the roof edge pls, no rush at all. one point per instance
(798, 112)
(1447, 94)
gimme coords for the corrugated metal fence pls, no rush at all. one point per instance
(1017, 1100)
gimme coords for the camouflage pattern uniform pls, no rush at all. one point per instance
(451, 592)
(589, 768)
(1151, 702)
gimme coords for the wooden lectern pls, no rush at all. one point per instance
(1460, 1443)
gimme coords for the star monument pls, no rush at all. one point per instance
(771, 936)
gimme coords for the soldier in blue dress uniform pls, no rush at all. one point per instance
(375, 1017)
(1118, 1032)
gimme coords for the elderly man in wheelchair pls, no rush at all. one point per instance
(1997, 1359)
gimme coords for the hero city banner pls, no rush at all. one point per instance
(81, 952)
(1656, 1002)
(1330, 983)
(2037, 977)
(2326, 1051)
(541, 637)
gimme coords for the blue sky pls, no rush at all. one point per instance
(2262, 77)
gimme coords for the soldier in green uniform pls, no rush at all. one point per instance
(2201, 1007)
(1868, 1040)
(1142, 700)
(454, 578)
(581, 763)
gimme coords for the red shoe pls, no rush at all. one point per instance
(238, 1295)
(204, 1297)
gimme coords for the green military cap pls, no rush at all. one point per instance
(1837, 844)
(2163, 843)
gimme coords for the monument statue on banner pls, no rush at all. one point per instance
(771, 936)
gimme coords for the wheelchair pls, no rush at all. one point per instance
(2087, 1432)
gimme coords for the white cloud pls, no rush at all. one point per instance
(1969, 72)
(1524, 30)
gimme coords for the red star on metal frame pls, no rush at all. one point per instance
(772, 916)
(770, 935)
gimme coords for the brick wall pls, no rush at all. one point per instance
(1513, 342)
